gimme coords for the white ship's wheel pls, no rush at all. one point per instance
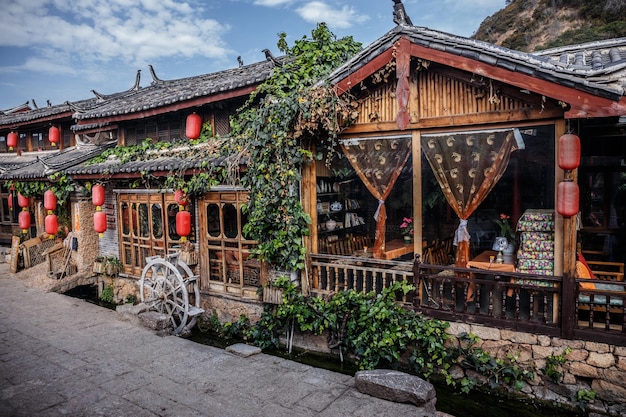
(167, 285)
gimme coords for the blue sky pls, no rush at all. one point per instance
(60, 50)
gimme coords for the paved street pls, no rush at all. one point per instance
(64, 356)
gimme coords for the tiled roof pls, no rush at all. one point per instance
(9, 120)
(11, 162)
(43, 164)
(601, 72)
(167, 92)
(185, 158)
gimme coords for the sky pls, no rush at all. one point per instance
(59, 50)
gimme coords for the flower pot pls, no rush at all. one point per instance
(408, 239)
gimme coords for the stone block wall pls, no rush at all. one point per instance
(588, 366)
(82, 229)
(230, 309)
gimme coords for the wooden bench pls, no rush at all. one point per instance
(605, 292)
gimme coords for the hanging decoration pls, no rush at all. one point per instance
(100, 223)
(10, 200)
(567, 197)
(181, 199)
(51, 221)
(12, 140)
(99, 217)
(183, 224)
(569, 151)
(22, 201)
(53, 135)
(51, 225)
(49, 201)
(23, 220)
(193, 127)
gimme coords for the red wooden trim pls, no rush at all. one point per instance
(583, 104)
(365, 71)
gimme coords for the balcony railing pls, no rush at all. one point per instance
(550, 305)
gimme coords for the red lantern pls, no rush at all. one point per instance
(10, 201)
(97, 195)
(569, 151)
(12, 140)
(52, 225)
(22, 201)
(193, 126)
(53, 135)
(181, 199)
(23, 220)
(567, 196)
(183, 224)
(100, 222)
(49, 201)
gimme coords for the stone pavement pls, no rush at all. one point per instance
(64, 356)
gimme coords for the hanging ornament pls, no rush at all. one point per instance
(100, 223)
(52, 225)
(49, 201)
(22, 201)
(23, 220)
(567, 198)
(569, 151)
(193, 127)
(10, 200)
(12, 140)
(53, 135)
(181, 199)
(97, 195)
(183, 224)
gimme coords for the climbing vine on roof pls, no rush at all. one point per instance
(276, 131)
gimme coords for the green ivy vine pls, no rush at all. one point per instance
(275, 131)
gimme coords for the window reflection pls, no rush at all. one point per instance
(213, 220)
(157, 221)
(230, 221)
(172, 209)
(144, 230)
(125, 218)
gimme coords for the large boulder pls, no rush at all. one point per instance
(399, 387)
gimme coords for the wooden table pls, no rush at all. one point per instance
(396, 248)
(482, 262)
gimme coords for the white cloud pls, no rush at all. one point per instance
(104, 30)
(271, 3)
(318, 11)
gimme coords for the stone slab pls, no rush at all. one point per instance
(243, 350)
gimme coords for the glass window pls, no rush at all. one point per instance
(157, 221)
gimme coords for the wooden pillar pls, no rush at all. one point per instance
(416, 149)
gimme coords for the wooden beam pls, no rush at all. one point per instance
(523, 115)
(583, 104)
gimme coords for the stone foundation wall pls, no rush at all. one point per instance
(82, 229)
(123, 288)
(230, 309)
(589, 366)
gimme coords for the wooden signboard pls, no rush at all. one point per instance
(15, 249)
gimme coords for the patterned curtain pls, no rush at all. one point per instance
(378, 163)
(467, 166)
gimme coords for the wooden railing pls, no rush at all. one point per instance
(549, 305)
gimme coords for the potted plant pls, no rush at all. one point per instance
(407, 229)
(113, 266)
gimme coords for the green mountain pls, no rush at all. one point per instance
(531, 25)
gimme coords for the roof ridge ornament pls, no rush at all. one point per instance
(155, 79)
(271, 58)
(399, 14)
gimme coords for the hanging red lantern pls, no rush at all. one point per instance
(10, 200)
(97, 195)
(193, 126)
(183, 224)
(567, 197)
(23, 220)
(49, 201)
(569, 151)
(52, 225)
(100, 222)
(22, 201)
(12, 140)
(181, 199)
(53, 135)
